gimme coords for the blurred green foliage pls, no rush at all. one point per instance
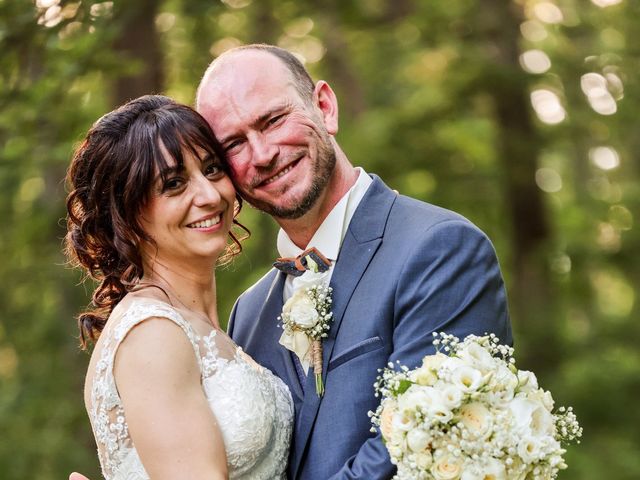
(521, 115)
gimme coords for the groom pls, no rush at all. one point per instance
(401, 269)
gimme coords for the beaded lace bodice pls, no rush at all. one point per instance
(252, 406)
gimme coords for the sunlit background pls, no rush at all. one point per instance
(521, 115)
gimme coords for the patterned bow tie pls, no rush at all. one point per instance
(303, 262)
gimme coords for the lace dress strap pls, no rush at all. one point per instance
(139, 311)
(106, 412)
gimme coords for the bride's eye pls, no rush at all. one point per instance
(213, 170)
(172, 184)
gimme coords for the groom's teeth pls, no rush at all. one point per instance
(206, 223)
(275, 177)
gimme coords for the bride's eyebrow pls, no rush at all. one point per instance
(207, 157)
(166, 172)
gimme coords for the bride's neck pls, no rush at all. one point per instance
(194, 290)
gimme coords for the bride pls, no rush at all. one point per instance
(168, 393)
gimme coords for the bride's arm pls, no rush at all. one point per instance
(170, 421)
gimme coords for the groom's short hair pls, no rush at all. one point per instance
(301, 78)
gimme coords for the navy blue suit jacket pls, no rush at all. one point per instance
(405, 270)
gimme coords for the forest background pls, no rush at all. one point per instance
(517, 114)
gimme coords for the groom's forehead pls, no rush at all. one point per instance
(249, 69)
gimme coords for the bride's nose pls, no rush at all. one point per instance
(205, 191)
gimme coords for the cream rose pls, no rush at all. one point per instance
(386, 418)
(424, 459)
(402, 422)
(424, 376)
(446, 467)
(418, 440)
(476, 418)
(302, 309)
(416, 397)
(434, 362)
(492, 469)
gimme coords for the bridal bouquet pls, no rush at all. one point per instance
(468, 413)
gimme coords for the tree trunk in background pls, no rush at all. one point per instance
(265, 28)
(531, 298)
(138, 42)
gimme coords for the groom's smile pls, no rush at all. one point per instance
(279, 174)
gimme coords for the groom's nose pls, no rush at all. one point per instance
(263, 151)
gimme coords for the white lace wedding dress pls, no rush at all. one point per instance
(252, 406)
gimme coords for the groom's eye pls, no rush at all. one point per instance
(232, 145)
(274, 120)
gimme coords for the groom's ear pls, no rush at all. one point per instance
(325, 100)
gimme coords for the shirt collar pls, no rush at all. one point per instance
(328, 237)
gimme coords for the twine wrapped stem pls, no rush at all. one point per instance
(316, 352)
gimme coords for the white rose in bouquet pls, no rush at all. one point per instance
(531, 417)
(418, 440)
(470, 414)
(527, 381)
(492, 469)
(530, 449)
(416, 399)
(467, 379)
(424, 376)
(476, 418)
(446, 467)
(401, 422)
(424, 459)
(452, 396)
(478, 357)
(434, 362)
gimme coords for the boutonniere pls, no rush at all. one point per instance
(306, 319)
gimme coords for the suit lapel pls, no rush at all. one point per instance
(360, 244)
(269, 333)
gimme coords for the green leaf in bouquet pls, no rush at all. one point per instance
(403, 386)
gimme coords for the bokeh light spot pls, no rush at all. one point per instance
(547, 106)
(548, 180)
(535, 61)
(605, 158)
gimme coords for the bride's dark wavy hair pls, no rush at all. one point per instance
(110, 180)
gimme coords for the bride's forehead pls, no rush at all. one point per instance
(175, 159)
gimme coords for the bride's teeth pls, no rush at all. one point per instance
(206, 223)
(274, 178)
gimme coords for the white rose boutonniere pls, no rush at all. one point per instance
(306, 318)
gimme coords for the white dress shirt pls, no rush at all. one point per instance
(330, 234)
